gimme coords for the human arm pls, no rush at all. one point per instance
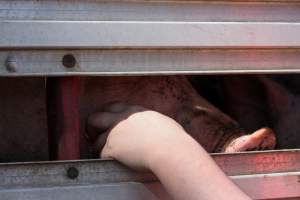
(147, 140)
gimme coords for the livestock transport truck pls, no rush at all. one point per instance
(50, 49)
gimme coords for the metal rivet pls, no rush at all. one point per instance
(11, 63)
(69, 61)
(72, 173)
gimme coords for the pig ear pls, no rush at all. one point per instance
(278, 97)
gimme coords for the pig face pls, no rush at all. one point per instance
(175, 97)
(284, 113)
(256, 101)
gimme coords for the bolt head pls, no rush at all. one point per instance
(69, 61)
(11, 64)
(72, 172)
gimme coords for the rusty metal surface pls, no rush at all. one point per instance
(23, 124)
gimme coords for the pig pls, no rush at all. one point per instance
(269, 101)
(175, 97)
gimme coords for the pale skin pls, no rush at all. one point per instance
(147, 140)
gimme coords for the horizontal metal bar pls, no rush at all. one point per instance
(270, 186)
(49, 174)
(166, 10)
(106, 171)
(117, 34)
(264, 162)
(266, 186)
(147, 62)
(262, 175)
(117, 191)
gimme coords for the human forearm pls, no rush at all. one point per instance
(188, 172)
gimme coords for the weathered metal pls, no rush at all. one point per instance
(118, 34)
(158, 61)
(174, 37)
(259, 162)
(152, 10)
(281, 180)
(117, 191)
(55, 173)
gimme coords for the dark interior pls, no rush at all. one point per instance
(31, 113)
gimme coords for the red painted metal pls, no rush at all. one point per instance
(69, 144)
(63, 118)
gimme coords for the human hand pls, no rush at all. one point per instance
(133, 135)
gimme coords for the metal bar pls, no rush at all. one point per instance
(63, 118)
(121, 191)
(95, 10)
(65, 173)
(280, 180)
(267, 186)
(69, 145)
(94, 24)
(270, 186)
(117, 34)
(259, 162)
(107, 171)
(158, 61)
